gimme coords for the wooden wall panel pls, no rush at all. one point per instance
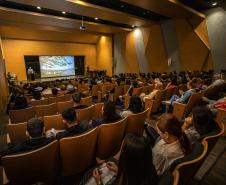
(16, 49)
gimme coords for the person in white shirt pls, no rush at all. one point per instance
(173, 144)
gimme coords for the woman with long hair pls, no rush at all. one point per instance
(173, 144)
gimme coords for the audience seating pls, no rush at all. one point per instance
(94, 90)
(135, 123)
(117, 92)
(98, 110)
(187, 166)
(17, 132)
(87, 101)
(126, 88)
(33, 166)
(181, 110)
(40, 102)
(61, 106)
(54, 121)
(22, 115)
(85, 114)
(148, 105)
(127, 101)
(147, 89)
(169, 93)
(110, 137)
(46, 110)
(47, 95)
(221, 119)
(67, 97)
(157, 102)
(137, 91)
(78, 152)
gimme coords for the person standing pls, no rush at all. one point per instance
(30, 73)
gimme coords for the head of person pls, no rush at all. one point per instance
(135, 104)
(54, 91)
(135, 162)
(37, 95)
(203, 120)
(20, 102)
(35, 128)
(77, 97)
(217, 77)
(191, 84)
(158, 86)
(174, 81)
(69, 116)
(108, 110)
(170, 130)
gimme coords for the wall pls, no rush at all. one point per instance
(104, 54)
(3, 83)
(141, 50)
(216, 24)
(15, 50)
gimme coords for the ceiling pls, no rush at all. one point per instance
(100, 16)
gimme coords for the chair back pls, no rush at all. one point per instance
(98, 111)
(33, 166)
(146, 89)
(188, 165)
(158, 100)
(17, 132)
(110, 137)
(135, 123)
(137, 91)
(61, 106)
(118, 91)
(22, 115)
(46, 110)
(40, 102)
(126, 88)
(85, 114)
(87, 101)
(47, 95)
(169, 93)
(54, 121)
(149, 105)
(192, 102)
(68, 97)
(94, 90)
(78, 152)
(52, 100)
(60, 98)
(127, 101)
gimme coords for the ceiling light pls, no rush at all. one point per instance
(38, 7)
(122, 6)
(64, 12)
(96, 18)
(133, 26)
(214, 4)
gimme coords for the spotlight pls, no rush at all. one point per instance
(122, 6)
(39, 8)
(133, 26)
(214, 4)
(64, 12)
(96, 18)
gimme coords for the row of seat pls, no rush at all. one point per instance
(76, 153)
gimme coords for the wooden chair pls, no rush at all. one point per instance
(126, 88)
(46, 110)
(137, 91)
(87, 101)
(118, 91)
(149, 105)
(105, 89)
(22, 115)
(17, 132)
(157, 102)
(61, 106)
(127, 101)
(98, 111)
(47, 95)
(33, 166)
(85, 114)
(147, 89)
(181, 110)
(187, 166)
(94, 90)
(54, 121)
(40, 102)
(221, 119)
(78, 152)
(135, 123)
(169, 93)
(67, 97)
(110, 137)
(60, 98)
(52, 100)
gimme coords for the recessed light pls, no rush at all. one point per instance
(64, 12)
(214, 4)
(96, 18)
(38, 7)
(133, 26)
(122, 6)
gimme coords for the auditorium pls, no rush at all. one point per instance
(112, 92)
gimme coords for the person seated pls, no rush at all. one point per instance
(37, 96)
(199, 124)
(73, 127)
(77, 99)
(20, 102)
(173, 143)
(135, 106)
(36, 138)
(54, 91)
(70, 88)
(109, 114)
(172, 83)
(217, 80)
(135, 166)
(151, 95)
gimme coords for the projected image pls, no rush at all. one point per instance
(55, 66)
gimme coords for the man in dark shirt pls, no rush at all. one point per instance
(77, 99)
(73, 127)
(35, 131)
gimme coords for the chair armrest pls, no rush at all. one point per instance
(127, 100)
(179, 110)
(99, 96)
